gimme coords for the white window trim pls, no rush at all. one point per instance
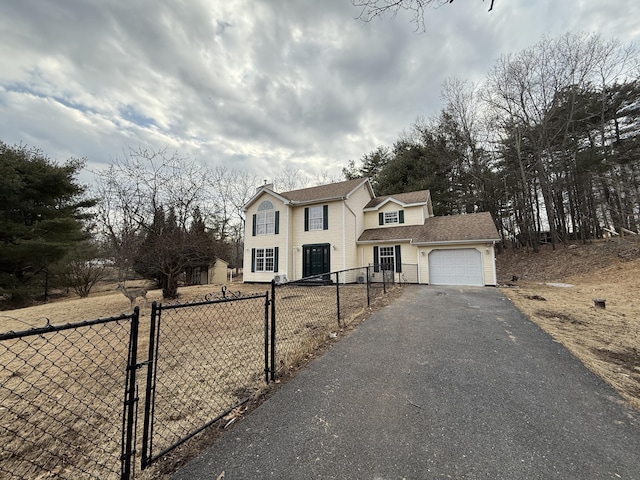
(316, 218)
(265, 257)
(386, 254)
(266, 222)
(391, 217)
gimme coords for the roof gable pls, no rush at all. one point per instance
(420, 197)
(331, 191)
(265, 190)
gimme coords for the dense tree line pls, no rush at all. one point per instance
(548, 143)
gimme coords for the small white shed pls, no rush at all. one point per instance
(216, 273)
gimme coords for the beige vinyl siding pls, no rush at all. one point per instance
(266, 241)
(354, 225)
(489, 265)
(412, 215)
(425, 212)
(332, 236)
(348, 244)
(371, 220)
(487, 254)
(408, 254)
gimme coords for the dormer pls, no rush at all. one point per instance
(411, 208)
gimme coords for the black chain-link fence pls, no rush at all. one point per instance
(210, 357)
(308, 313)
(72, 396)
(61, 400)
(400, 273)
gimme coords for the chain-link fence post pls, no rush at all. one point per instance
(368, 286)
(273, 330)
(147, 434)
(338, 296)
(131, 398)
(266, 338)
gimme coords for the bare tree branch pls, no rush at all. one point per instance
(371, 9)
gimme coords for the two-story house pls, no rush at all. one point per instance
(343, 225)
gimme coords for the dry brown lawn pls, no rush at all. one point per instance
(60, 406)
(105, 302)
(606, 340)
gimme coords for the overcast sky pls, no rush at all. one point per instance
(255, 85)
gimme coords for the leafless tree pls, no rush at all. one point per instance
(324, 177)
(371, 9)
(288, 179)
(138, 185)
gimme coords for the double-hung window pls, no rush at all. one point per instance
(387, 258)
(266, 219)
(391, 218)
(264, 260)
(316, 218)
(265, 223)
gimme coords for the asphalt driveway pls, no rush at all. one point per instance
(447, 382)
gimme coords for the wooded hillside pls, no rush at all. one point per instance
(548, 144)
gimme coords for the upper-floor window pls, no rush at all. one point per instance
(265, 219)
(390, 218)
(316, 218)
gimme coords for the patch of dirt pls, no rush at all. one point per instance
(605, 340)
(559, 316)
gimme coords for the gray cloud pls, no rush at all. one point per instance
(259, 85)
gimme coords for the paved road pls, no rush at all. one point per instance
(445, 383)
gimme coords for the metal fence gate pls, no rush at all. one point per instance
(205, 360)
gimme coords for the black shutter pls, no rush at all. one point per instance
(253, 259)
(276, 228)
(381, 218)
(398, 260)
(306, 219)
(275, 259)
(325, 217)
(376, 265)
(253, 234)
(401, 216)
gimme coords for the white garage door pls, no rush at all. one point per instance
(455, 267)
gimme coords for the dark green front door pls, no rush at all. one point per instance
(315, 259)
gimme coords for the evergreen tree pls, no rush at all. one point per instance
(41, 218)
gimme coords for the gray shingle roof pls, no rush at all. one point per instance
(463, 228)
(323, 192)
(421, 196)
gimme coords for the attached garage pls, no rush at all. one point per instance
(456, 267)
(452, 250)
